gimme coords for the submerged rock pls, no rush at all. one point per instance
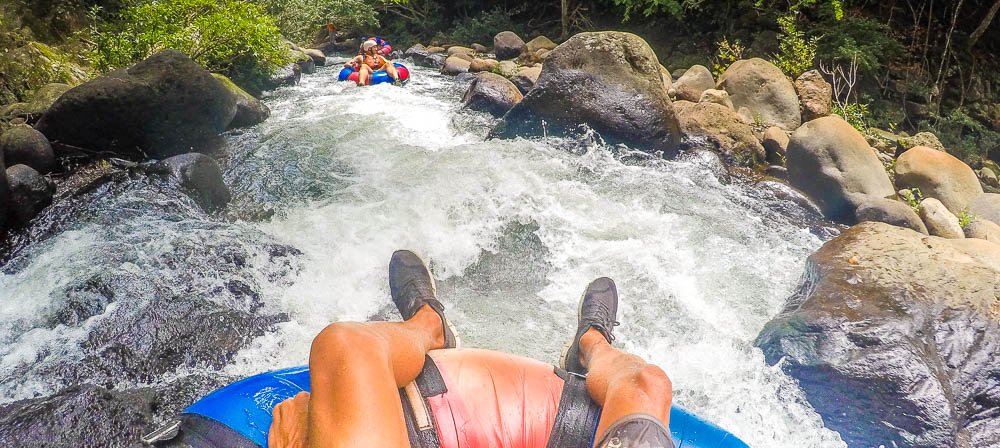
(492, 93)
(894, 338)
(609, 81)
(201, 177)
(29, 193)
(162, 106)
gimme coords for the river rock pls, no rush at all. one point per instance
(940, 222)
(318, 57)
(815, 95)
(508, 68)
(983, 229)
(249, 110)
(492, 93)
(986, 206)
(695, 81)
(482, 65)
(668, 82)
(889, 211)
(480, 48)
(540, 43)
(420, 56)
(720, 97)
(894, 338)
(526, 78)
(927, 139)
(609, 81)
(40, 102)
(832, 163)
(717, 128)
(507, 45)
(938, 175)
(989, 177)
(25, 145)
(287, 75)
(762, 88)
(467, 56)
(775, 142)
(455, 65)
(30, 192)
(458, 49)
(162, 106)
(201, 178)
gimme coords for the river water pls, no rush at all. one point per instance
(512, 229)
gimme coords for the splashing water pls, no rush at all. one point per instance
(513, 230)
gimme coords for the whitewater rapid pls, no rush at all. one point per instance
(512, 229)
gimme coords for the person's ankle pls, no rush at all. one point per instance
(590, 339)
(431, 320)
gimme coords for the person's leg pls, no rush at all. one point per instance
(391, 70)
(622, 383)
(635, 396)
(364, 75)
(356, 371)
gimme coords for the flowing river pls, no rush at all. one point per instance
(341, 176)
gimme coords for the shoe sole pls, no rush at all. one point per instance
(569, 345)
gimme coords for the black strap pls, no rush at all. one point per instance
(577, 415)
(197, 431)
(429, 383)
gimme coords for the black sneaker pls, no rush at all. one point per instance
(411, 287)
(598, 310)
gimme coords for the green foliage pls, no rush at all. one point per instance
(964, 136)
(228, 36)
(675, 8)
(482, 27)
(796, 53)
(965, 218)
(864, 40)
(912, 197)
(300, 19)
(854, 113)
(726, 54)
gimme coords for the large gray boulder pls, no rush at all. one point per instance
(717, 128)
(492, 93)
(455, 65)
(24, 145)
(986, 206)
(940, 222)
(249, 109)
(508, 45)
(763, 89)
(30, 193)
(609, 81)
(983, 229)
(201, 178)
(889, 211)
(832, 163)
(894, 338)
(162, 106)
(938, 175)
(693, 83)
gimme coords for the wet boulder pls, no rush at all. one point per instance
(609, 81)
(764, 90)
(29, 194)
(889, 211)
(249, 110)
(508, 45)
(317, 55)
(455, 65)
(815, 95)
(420, 56)
(492, 93)
(288, 75)
(717, 128)
(831, 162)
(938, 175)
(200, 177)
(894, 337)
(24, 145)
(526, 78)
(693, 83)
(162, 106)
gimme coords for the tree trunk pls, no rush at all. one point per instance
(564, 18)
(984, 24)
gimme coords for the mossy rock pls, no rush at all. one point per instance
(27, 66)
(249, 110)
(39, 102)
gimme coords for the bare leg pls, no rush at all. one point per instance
(364, 75)
(356, 371)
(391, 70)
(623, 383)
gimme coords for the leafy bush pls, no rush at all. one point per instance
(300, 19)
(796, 53)
(727, 53)
(965, 218)
(854, 113)
(964, 136)
(675, 8)
(484, 26)
(229, 36)
(864, 40)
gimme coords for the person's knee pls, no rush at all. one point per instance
(343, 339)
(653, 381)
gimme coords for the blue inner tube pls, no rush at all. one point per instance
(380, 76)
(245, 407)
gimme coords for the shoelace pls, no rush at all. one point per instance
(601, 319)
(416, 286)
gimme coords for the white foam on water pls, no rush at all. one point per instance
(699, 272)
